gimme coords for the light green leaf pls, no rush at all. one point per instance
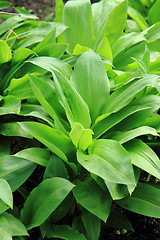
(20, 55)
(53, 50)
(138, 18)
(81, 137)
(65, 232)
(5, 52)
(3, 207)
(18, 229)
(43, 200)
(104, 49)
(4, 4)
(144, 200)
(91, 82)
(10, 104)
(6, 193)
(93, 198)
(109, 160)
(77, 16)
(59, 10)
(5, 229)
(37, 155)
(143, 157)
(79, 49)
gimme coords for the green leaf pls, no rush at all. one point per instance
(137, 17)
(4, 4)
(18, 229)
(6, 193)
(123, 137)
(116, 22)
(50, 38)
(81, 137)
(117, 191)
(93, 198)
(109, 160)
(20, 55)
(79, 49)
(59, 10)
(92, 225)
(122, 96)
(112, 121)
(5, 52)
(104, 49)
(77, 16)
(5, 229)
(144, 200)
(143, 157)
(3, 207)
(55, 168)
(91, 82)
(154, 13)
(48, 100)
(75, 107)
(53, 50)
(37, 155)
(43, 200)
(52, 64)
(65, 232)
(11, 167)
(10, 104)
(55, 140)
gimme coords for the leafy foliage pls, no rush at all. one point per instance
(80, 99)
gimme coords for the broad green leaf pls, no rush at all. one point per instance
(92, 225)
(5, 52)
(6, 193)
(50, 38)
(18, 229)
(77, 15)
(144, 200)
(75, 107)
(91, 82)
(55, 140)
(37, 155)
(81, 137)
(20, 87)
(11, 167)
(5, 229)
(10, 104)
(13, 129)
(117, 191)
(55, 168)
(79, 49)
(53, 50)
(126, 41)
(52, 64)
(116, 22)
(43, 200)
(4, 4)
(143, 157)
(154, 13)
(88, 194)
(123, 137)
(111, 121)
(20, 55)
(104, 49)
(65, 232)
(109, 160)
(137, 17)
(122, 96)
(48, 100)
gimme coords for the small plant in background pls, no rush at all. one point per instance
(82, 95)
